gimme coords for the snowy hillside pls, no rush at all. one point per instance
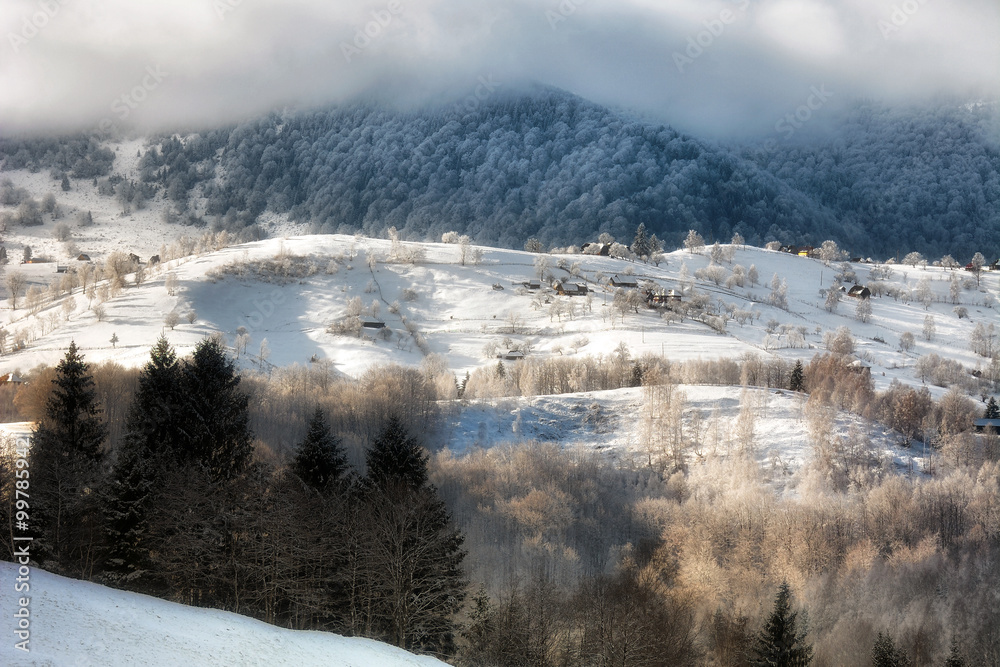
(290, 291)
(79, 624)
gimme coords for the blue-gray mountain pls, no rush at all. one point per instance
(553, 166)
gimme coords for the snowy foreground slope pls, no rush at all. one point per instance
(79, 624)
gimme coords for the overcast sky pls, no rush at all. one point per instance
(715, 67)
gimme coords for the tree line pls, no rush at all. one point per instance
(184, 508)
(293, 498)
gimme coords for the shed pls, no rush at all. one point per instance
(861, 367)
(512, 355)
(530, 284)
(371, 323)
(982, 424)
(83, 257)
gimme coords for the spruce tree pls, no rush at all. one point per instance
(154, 437)
(797, 380)
(127, 496)
(640, 244)
(992, 409)
(217, 420)
(396, 457)
(955, 658)
(66, 459)
(885, 653)
(779, 644)
(321, 461)
(408, 553)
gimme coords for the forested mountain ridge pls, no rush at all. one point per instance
(923, 179)
(551, 165)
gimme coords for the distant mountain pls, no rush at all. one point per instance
(554, 166)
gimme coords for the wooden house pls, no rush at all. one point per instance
(859, 292)
(512, 355)
(625, 282)
(602, 249)
(571, 289)
(982, 424)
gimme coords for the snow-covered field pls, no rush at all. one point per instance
(457, 311)
(610, 422)
(80, 624)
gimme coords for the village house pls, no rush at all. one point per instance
(602, 249)
(512, 355)
(625, 282)
(859, 292)
(800, 250)
(571, 289)
(661, 299)
(982, 424)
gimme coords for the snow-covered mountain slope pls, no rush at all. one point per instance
(289, 292)
(80, 624)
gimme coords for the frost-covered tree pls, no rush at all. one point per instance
(694, 242)
(914, 258)
(640, 244)
(863, 311)
(976, 266)
(929, 328)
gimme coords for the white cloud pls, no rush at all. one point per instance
(66, 63)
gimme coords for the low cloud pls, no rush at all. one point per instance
(720, 68)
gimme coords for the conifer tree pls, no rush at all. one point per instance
(885, 653)
(66, 459)
(396, 457)
(640, 244)
(955, 658)
(797, 381)
(992, 409)
(408, 555)
(779, 643)
(217, 421)
(154, 436)
(127, 496)
(321, 461)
